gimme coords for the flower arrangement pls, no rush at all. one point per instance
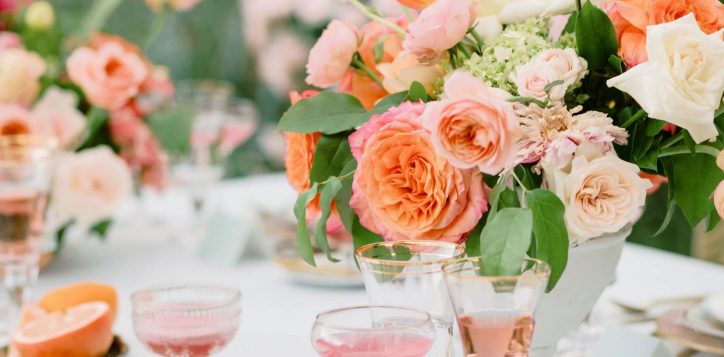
(520, 130)
(97, 94)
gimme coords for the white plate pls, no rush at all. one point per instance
(697, 319)
(714, 308)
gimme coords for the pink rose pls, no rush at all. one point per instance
(438, 28)
(719, 199)
(176, 5)
(532, 78)
(110, 74)
(57, 112)
(403, 189)
(473, 125)
(9, 40)
(568, 66)
(16, 120)
(20, 73)
(332, 55)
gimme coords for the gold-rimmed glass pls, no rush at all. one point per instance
(26, 167)
(409, 273)
(495, 314)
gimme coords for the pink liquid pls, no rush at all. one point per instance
(196, 346)
(360, 344)
(496, 334)
(186, 337)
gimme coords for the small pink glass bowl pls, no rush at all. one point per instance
(189, 321)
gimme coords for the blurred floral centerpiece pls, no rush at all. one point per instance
(97, 95)
(521, 129)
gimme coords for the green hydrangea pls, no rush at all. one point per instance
(567, 40)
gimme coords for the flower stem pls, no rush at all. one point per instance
(640, 114)
(515, 176)
(156, 26)
(97, 17)
(340, 178)
(373, 16)
(359, 64)
(479, 40)
(673, 140)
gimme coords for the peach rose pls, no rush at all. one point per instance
(332, 55)
(399, 75)
(602, 193)
(372, 33)
(568, 65)
(90, 185)
(20, 73)
(719, 199)
(532, 78)
(110, 74)
(473, 125)
(57, 112)
(300, 150)
(438, 28)
(416, 4)
(629, 18)
(176, 5)
(16, 120)
(363, 88)
(156, 92)
(403, 189)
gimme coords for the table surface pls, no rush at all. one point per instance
(278, 313)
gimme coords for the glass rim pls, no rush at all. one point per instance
(320, 322)
(541, 270)
(429, 243)
(145, 307)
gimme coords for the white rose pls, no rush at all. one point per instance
(492, 14)
(683, 81)
(568, 65)
(532, 78)
(90, 185)
(601, 193)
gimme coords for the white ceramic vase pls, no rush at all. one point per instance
(591, 268)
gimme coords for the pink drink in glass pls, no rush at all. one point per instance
(496, 334)
(373, 344)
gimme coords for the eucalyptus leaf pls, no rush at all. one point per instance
(595, 36)
(505, 240)
(549, 231)
(326, 197)
(303, 244)
(495, 196)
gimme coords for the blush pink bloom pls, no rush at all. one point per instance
(9, 40)
(109, 74)
(439, 27)
(20, 73)
(403, 189)
(176, 5)
(16, 120)
(332, 55)
(473, 126)
(57, 112)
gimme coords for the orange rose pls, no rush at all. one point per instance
(363, 88)
(300, 150)
(416, 4)
(709, 13)
(372, 33)
(630, 18)
(403, 189)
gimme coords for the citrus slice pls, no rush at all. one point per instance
(31, 312)
(82, 331)
(73, 295)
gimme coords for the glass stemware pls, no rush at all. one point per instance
(26, 166)
(409, 273)
(186, 321)
(372, 331)
(495, 313)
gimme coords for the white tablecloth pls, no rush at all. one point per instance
(277, 313)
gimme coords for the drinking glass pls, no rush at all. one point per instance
(368, 331)
(26, 166)
(186, 321)
(495, 313)
(409, 273)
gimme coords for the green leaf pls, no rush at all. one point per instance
(101, 228)
(346, 213)
(362, 236)
(417, 92)
(472, 244)
(667, 219)
(692, 179)
(172, 127)
(530, 180)
(389, 101)
(508, 198)
(303, 244)
(505, 240)
(595, 36)
(95, 118)
(329, 191)
(327, 112)
(549, 231)
(528, 100)
(330, 157)
(60, 236)
(379, 49)
(714, 220)
(571, 24)
(495, 196)
(654, 126)
(617, 63)
(689, 142)
(553, 84)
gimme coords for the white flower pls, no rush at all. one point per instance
(57, 114)
(492, 14)
(90, 185)
(601, 193)
(683, 81)
(569, 67)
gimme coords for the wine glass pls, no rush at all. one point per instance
(368, 331)
(409, 273)
(26, 166)
(186, 321)
(495, 313)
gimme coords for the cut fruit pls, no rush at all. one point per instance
(64, 298)
(82, 331)
(30, 313)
